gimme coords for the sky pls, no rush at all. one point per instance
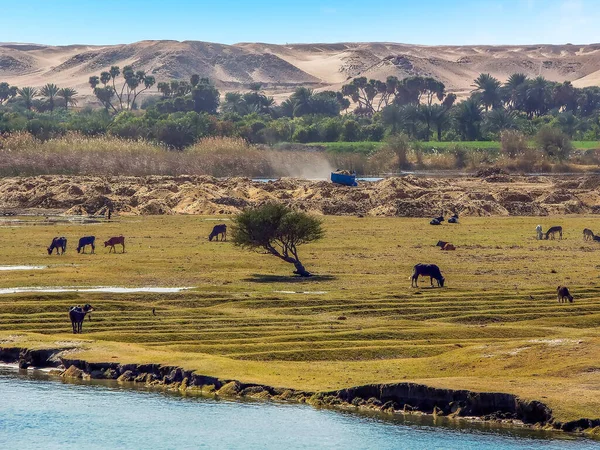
(428, 22)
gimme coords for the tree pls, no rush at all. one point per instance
(205, 97)
(134, 83)
(68, 94)
(440, 118)
(7, 92)
(514, 90)
(28, 94)
(468, 118)
(278, 230)
(50, 91)
(488, 90)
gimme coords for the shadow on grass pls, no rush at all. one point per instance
(262, 278)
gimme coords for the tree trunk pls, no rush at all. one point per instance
(300, 270)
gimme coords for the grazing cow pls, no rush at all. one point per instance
(552, 231)
(538, 232)
(218, 230)
(588, 234)
(77, 314)
(427, 270)
(119, 240)
(85, 241)
(563, 293)
(58, 243)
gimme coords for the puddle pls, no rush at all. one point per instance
(4, 268)
(301, 292)
(105, 289)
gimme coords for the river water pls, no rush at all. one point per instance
(37, 412)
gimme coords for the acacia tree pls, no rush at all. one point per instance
(278, 230)
(134, 83)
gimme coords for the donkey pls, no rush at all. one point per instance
(588, 235)
(77, 314)
(218, 230)
(58, 243)
(563, 293)
(427, 270)
(552, 231)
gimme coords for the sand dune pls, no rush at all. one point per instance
(284, 67)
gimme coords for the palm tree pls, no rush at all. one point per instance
(440, 119)
(514, 90)
(27, 94)
(301, 99)
(537, 96)
(469, 118)
(68, 95)
(500, 119)
(426, 114)
(488, 89)
(50, 91)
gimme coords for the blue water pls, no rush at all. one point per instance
(39, 413)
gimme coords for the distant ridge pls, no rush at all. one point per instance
(282, 68)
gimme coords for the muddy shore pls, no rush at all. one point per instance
(489, 194)
(396, 398)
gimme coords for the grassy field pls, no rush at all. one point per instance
(368, 147)
(496, 326)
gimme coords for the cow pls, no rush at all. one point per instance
(453, 219)
(85, 241)
(588, 234)
(77, 315)
(552, 231)
(118, 240)
(435, 222)
(445, 245)
(218, 230)
(596, 238)
(58, 243)
(563, 293)
(427, 270)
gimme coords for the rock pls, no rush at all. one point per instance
(73, 372)
(127, 376)
(230, 389)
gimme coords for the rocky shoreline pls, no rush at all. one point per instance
(395, 398)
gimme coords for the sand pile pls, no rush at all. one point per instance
(406, 196)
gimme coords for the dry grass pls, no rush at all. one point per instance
(496, 326)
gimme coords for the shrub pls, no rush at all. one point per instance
(400, 145)
(554, 143)
(513, 143)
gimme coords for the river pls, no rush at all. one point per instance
(39, 412)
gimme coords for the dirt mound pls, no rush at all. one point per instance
(405, 196)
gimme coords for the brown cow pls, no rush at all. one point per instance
(562, 293)
(448, 247)
(119, 240)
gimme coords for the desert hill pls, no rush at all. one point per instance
(284, 67)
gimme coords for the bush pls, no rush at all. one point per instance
(513, 143)
(400, 145)
(555, 144)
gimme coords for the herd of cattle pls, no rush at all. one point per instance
(60, 244)
(77, 313)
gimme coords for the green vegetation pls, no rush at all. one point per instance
(278, 230)
(496, 326)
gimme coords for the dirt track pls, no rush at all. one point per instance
(498, 195)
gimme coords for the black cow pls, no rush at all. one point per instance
(218, 230)
(58, 243)
(85, 241)
(77, 314)
(427, 270)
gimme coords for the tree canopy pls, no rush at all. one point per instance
(278, 230)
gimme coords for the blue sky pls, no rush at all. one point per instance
(431, 22)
